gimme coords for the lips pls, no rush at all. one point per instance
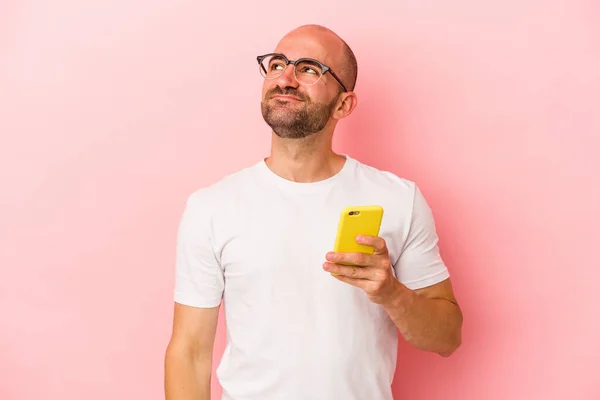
(285, 97)
(284, 94)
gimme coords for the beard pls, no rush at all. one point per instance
(295, 120)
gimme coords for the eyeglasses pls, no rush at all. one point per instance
(307, 71)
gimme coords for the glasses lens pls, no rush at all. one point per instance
(272, 67)
(308, 72)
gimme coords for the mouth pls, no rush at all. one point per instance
(284, 97)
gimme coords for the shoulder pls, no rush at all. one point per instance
(216, 194)
(388, 181)
(206, 205)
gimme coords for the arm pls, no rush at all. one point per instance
(429, 318)
(416, 292)
(199, 285)
(188, 359)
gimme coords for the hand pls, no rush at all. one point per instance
(370, 272)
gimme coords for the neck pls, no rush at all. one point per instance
(306, 160)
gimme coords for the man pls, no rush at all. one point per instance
(300, 326)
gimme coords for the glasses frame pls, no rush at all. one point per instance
(324, 68)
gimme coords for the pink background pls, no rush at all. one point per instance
(111, 113)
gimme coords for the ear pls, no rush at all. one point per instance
(347, 102)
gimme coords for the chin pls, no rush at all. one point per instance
(286, 133)
(282, 116)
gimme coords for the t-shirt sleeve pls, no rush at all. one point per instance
(420, 263)
(199, 279)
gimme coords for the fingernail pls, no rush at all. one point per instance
(329, 256)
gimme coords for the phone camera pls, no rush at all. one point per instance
(353, 213)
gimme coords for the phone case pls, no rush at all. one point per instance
(358, 220)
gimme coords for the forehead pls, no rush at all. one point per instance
(319, 47)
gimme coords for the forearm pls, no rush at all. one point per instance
(429, 324)
(187, 377)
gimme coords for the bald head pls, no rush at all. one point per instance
(340, 56)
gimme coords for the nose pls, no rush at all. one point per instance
(287, 78)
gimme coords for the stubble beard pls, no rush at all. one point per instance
(296, 121)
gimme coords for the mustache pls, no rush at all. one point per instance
(286, 92)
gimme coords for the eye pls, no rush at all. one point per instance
(276, 65)
(308, 70)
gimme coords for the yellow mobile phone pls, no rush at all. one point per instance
(354, 221)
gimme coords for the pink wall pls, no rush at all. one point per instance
(111, 114)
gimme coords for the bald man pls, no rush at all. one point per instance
(300, 325)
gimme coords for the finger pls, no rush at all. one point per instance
(377, 242)
(354, 258)
(350, 271)
(359, 283)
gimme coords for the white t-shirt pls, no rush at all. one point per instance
(294, 332)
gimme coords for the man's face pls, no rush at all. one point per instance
(294, 110)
